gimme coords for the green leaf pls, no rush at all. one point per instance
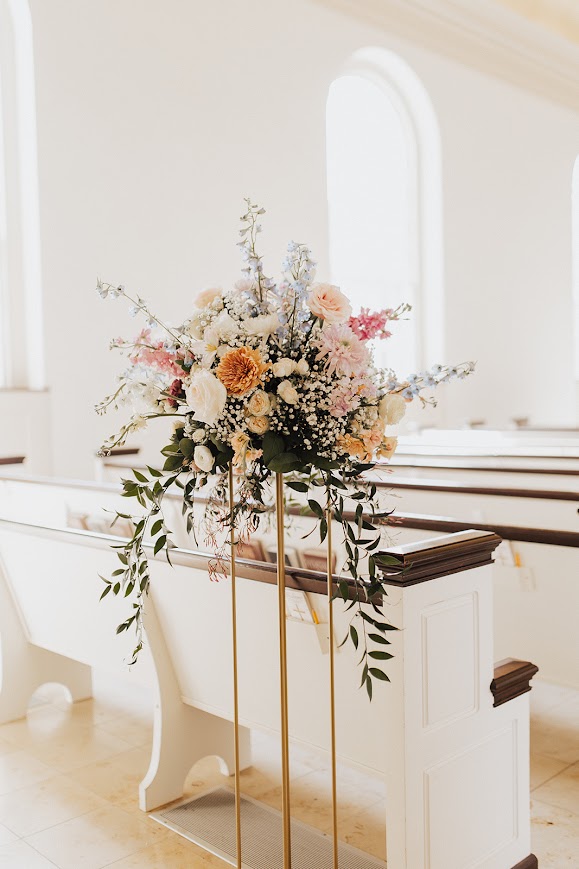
(156, 527)
(273, 444)
(380, 656)
(378, 674)
(316, 508)
(369, 687)
(160, 543)
(378, 638)
(173, 462)
(354, 636)
(187, 447)
(297, 486)
(105, 592)
(284, 462)
(140, 477)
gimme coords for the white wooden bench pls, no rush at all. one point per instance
(456, 766)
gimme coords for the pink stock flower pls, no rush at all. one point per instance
(345, 353)
(156, 356)
(371, 324)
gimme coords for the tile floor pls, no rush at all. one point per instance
(69, 777)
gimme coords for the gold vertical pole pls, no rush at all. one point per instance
(285, 768)
(235, 675)
(332, 688)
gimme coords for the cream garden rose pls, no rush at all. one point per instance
(283, 367)
(259, 404)
(287, 392)
(258, 424)
(392, 408)
(328, 302)
(205, 396)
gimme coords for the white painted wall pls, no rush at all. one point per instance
(155, 119)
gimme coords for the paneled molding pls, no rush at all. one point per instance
(482, 34)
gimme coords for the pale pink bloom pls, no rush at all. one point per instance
(345, 352)
(156, 356)
(204, 298)
(344, 398)
(371, 324)
(329, 303)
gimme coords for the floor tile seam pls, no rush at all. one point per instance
(44, 857)
(52, 826)
(555, 775)
(542, 802)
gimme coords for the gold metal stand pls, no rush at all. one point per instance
(285, 767)
(235, 674)
(332, 687)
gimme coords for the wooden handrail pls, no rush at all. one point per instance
(458, 465)
(12, 460)
(419, 484)
(418, 521)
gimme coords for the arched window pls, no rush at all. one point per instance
(384, 201)
(21, 331)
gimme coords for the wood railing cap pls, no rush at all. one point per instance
(511, 679)
(439, 556)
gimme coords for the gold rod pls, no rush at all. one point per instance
(235, 674)
(332, 687)
(285, 767)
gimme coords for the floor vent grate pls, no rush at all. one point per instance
(209, 821)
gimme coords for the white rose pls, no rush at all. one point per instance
(205, 297)
(199, 435)
(392, 408)
(205, 396)
(203, 458)
(287, 392)
(259, 403)
(283, 367)
(329, 303)
(258, 424)
(302, 367)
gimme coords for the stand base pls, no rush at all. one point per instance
(209, 821)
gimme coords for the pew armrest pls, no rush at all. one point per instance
(511, 679)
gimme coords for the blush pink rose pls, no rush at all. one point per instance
(329, 303)
(205, 297)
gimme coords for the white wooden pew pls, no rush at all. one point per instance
(534, 604)
(455, 764)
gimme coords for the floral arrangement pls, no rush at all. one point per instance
(271, 377)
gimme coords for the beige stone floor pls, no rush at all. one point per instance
(69, 777)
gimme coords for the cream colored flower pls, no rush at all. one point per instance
(287, 392)
(222, 329)
(239, 444)
(199, 435)
(387, 448)
(203, 458)
(392, 408)
(259, 404)
(205, 297)
(258, 424)
(283, 367)
(302, 367)
(329, 303)
(261, 326)
(205, 396)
